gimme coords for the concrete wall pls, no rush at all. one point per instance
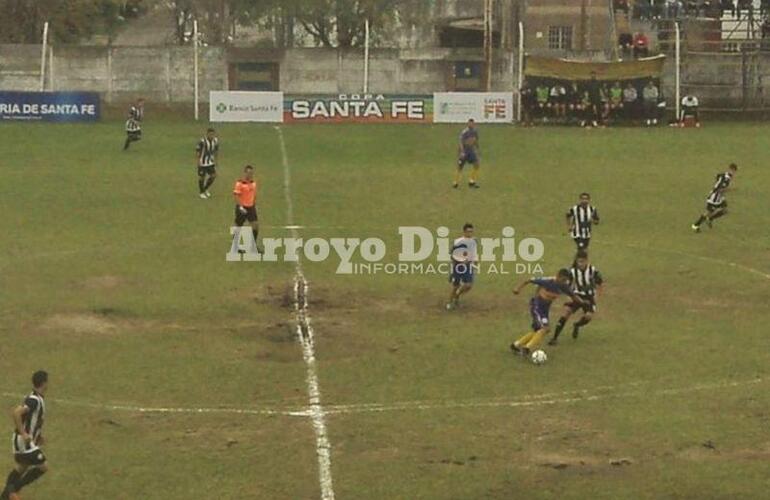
(160, 74)
(165, 74)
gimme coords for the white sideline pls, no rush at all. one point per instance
(305, 336)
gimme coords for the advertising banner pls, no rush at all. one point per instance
(238, 106)
(358, 108)
(483, 107)
(561, 69)
(50, 106)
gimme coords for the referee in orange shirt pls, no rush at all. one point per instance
(245, 194)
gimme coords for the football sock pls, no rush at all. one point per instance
(201, 185)
(474, 175)
(209, 182)
(583, 322)
(718, 215)
(28, 478)
(559, 327)
(537, 338)
(126, 144)
(524, 339)
(700, 220)
(11, 483)
(458, 176)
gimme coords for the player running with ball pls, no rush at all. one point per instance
(548, 290)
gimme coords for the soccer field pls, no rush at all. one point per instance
(176, 374)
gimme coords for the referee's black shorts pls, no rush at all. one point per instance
(250, 215)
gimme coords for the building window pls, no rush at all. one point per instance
(560, 37)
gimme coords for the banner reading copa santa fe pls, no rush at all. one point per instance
(358, 108)
(50, 106)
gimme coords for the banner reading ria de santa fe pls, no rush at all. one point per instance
(358, 108)
(50, 106)
(483, 107)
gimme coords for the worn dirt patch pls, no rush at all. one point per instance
(83, 323)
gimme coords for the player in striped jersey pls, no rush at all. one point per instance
(468, 152)
(464, 259)
(134, 123)
(587, 282)
(580, 220)
(206, 157)
(716, 205)
(28, 421)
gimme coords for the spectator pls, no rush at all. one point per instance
(594, 111)
(626, 43)
(528, 103)
(765, 44)
(557, 100)
(616, 99)
(641, 45)
(620, 6)
(541, 99)
(650, 96)
(642, 9)
(689, 109)
(630, 95)
(728, 6)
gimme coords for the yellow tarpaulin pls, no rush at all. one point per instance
(562, 69)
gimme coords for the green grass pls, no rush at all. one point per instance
(114, 279)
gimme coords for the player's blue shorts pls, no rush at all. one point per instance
(462, 273)
(539, 309)
(468, 156)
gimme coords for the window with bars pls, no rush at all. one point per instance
(560, 37)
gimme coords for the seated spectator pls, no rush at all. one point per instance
(689, 109)
(575, 100)
(615, 99)
(630, 96)
(626, 43)
(557, 100)
(541, 99)
(641, 45)
(528, 103)
(620, 6)
(650, 96)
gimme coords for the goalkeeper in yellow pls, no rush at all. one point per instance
(548, 290)
(468, 152)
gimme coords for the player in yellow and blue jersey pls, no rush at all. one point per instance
(548, 290)
(468, 152)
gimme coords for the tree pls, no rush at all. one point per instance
(340, 23)
(22, 20)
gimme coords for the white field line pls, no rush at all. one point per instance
(300, 412)
(306, 338)
(576, 397)
(632, 390)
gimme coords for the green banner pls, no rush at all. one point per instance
(562, 69)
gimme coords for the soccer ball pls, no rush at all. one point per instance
(538, 357)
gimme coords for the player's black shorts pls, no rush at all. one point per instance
(134, 135)
(713, 207)
(589, 305)
(210, 170)
(582, 243)
(250, 215)
(30, 458)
